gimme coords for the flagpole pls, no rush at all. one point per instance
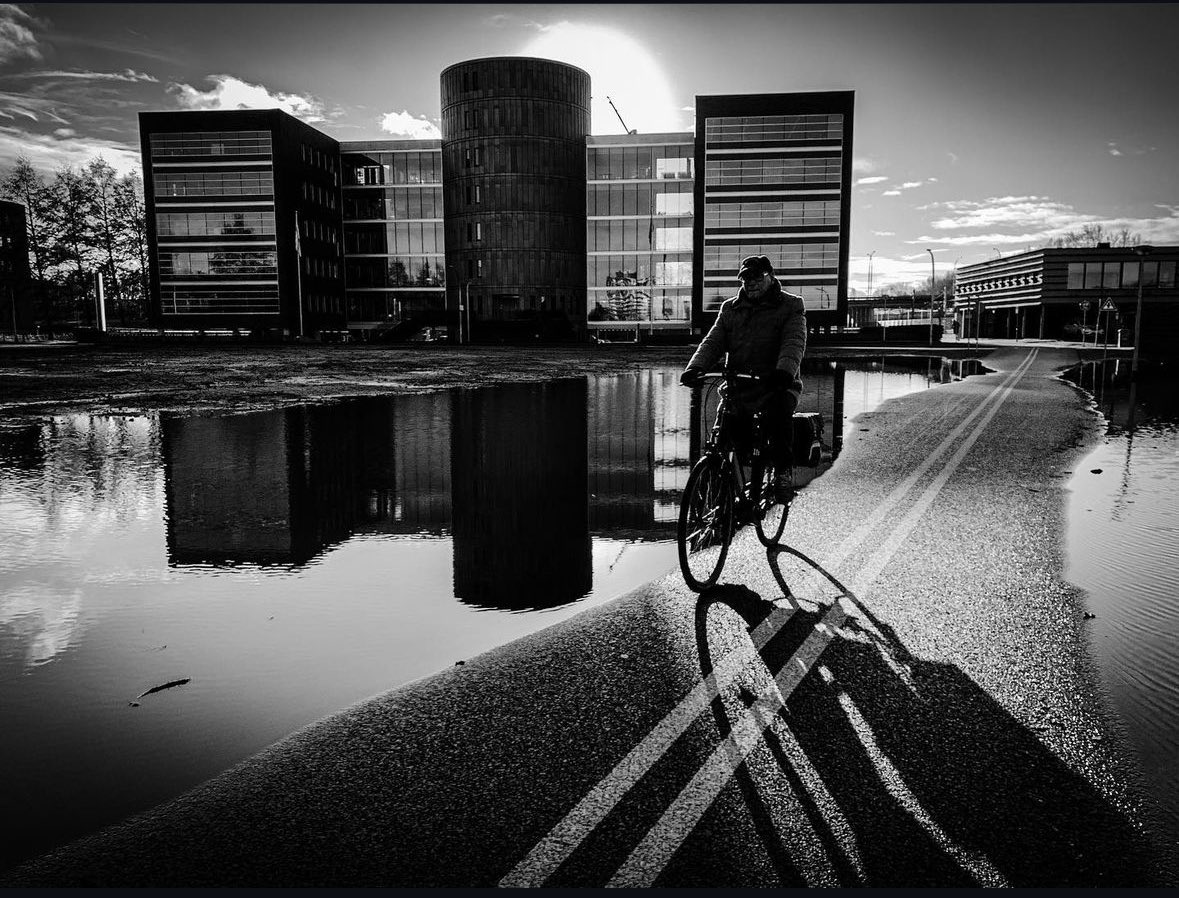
(299, 272)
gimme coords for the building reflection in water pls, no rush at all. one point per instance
(520, 496)
(519, 476)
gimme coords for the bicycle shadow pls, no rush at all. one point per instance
(883, 768)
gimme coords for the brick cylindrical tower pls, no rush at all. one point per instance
(513, 184)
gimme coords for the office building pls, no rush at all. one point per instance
(774, 179)
(16, 285)
(1071, 293)
(517, 224)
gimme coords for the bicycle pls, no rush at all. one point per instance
(719, 498)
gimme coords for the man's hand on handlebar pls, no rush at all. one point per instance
(692, 377)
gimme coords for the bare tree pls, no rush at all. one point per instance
(73, 247)
(100, 181)
(131, 214)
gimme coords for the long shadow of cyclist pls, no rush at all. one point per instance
(899, 770)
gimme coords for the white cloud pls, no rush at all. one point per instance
(863, 166)
(885, 233)
(404, 124)
(229, 92)
(49, 152)
(125, 75)
(891, 193)
(1034, 221)
(17, 40)
(65, 132)
(874, 179)
(909, 185)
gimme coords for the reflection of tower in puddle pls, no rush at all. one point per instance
(521, 517)
(638, 453)
(275, 487)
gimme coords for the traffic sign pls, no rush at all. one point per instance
(1084, 304)
(1107, 305)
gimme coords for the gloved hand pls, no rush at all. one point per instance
(691, 377)
(779, 379)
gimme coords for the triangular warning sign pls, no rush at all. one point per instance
(1107, 305)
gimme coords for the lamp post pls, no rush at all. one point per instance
(932, 278)
(870, 255)
(1141, 252)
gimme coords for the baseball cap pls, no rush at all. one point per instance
(755, 265)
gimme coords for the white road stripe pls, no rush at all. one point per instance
(564, 838)
(656, 849)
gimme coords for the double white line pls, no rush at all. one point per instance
(655, 850)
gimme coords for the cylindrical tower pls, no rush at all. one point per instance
(513, 187)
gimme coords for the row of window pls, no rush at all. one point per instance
(639, 199)
(318, 230)
(637, 163)
(413, 167)
(553, 157)
(218, 262)
(257, 182)
(809, 213)
(404, 204)
(781, 255)
(214, 224)
(239, 300)
(816, 296)
(210, 143)
(521, 116)
(401, 271)
(623, 270)
(321, 195)
(412, 238)
(318, 158)
(640, 304)
(738, 129)
(314, 266)
(726, 172)
(1119, 275)
(629, 235)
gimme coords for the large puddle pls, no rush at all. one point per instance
(1123, 550)
(270, 568)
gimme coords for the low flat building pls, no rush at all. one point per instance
(1086, 293)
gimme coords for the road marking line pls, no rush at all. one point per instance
(663, 839)
(656, 849)
(564, 838)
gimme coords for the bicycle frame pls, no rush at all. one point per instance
(746, 487)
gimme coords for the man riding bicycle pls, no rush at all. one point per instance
(763, 330)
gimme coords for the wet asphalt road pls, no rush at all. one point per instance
(901, 700)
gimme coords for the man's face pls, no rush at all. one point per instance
(755, 284)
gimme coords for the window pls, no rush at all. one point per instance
(1113, 275)
(1093, 275)
(1076, 275)
(1166, 274)
(673, 204)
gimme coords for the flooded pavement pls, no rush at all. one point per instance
(273, 567)
(1123, 550)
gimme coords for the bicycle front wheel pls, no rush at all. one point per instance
(705, 523)
(770, 516)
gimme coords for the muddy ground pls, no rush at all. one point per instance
(41, 379)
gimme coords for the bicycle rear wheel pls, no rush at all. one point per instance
(706, 523)
(770, 515)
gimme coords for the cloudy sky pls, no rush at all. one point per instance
(980, 128)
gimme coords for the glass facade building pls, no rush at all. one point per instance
(774, 179)
(513, 161)
(516, 224)
(394, 254)
(639, 202)
(243, 222)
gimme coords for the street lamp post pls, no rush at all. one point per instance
(870, 255)
(1141, 252)
(932, 278)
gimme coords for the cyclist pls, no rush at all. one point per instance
(763, 331)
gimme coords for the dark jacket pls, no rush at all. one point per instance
(759, 336)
